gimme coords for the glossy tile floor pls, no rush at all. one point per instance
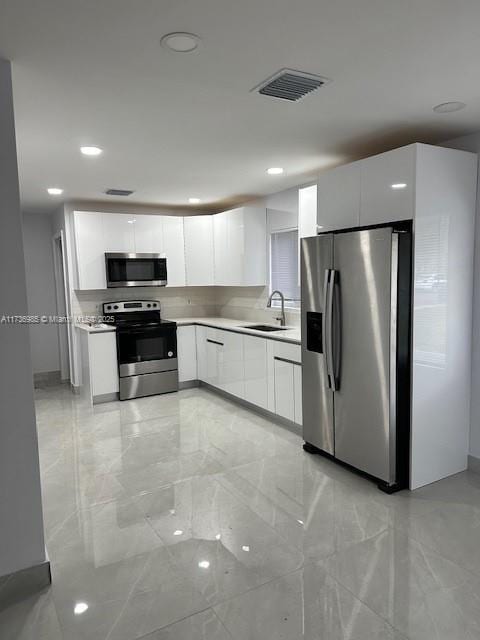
(185, 517)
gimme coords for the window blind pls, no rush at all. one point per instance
(284, 265)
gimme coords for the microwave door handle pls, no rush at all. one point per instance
(325, 327)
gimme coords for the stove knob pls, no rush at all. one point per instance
(115, 306)
(109, 307)
(170, 354)
(149, 305)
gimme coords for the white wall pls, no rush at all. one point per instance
(41, 297)
(472, 143)
(21, 526)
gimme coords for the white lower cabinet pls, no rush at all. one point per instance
(187, 354)
(256, 374)
(267, 373)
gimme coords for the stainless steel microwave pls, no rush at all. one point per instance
(135, 270)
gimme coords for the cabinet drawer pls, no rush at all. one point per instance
(287, 351)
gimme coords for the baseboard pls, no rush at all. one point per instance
(105, 397)
(265, 413)
(46, 379)
(21, 584)
(474, 464)
(188, 384)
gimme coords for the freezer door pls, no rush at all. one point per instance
(365, 329)
(317, 396)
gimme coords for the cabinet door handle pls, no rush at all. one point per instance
(286, 360)
(215, 342)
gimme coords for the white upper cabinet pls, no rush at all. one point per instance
(240, 247)
(174, 249)
(388, 186)
(118, 232)
(199, 260)
(149, 234)
(90, 250)
(338, 198)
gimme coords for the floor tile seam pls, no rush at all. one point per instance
(272, 529)
(131, 594)
(260, 586)
(281, 509)
(182, 619)
(365, 604)
(425, 545)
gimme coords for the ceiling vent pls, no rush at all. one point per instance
(288, 84)
(118, 192)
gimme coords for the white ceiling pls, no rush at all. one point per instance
(181, 125)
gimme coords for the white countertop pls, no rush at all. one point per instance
(290, 334)
(94, 328)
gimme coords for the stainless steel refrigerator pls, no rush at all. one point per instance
(356, 310)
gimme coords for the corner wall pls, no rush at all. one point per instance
(41, 295)
(21, 524)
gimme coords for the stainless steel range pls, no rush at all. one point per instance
(146, 348)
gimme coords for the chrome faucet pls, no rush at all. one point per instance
(282, 299)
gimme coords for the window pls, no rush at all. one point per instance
(284, 267)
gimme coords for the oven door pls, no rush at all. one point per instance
(149, 349)
(135, 270)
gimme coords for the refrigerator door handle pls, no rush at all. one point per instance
(336, 330)
(329, 328)
(325, 327)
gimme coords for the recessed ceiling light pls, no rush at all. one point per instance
(275, 171)
(181, 42)
(245, 547)
(204, 564)
(54, 191)
(178, 532)
(80, 608)
(194, 200)
(132, 221)
(449, 107)
(398, 185)
(91, 151)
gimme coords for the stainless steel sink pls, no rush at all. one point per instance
(263, 327)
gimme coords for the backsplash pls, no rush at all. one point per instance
(250, 303)
(239, 303)
(175, 302)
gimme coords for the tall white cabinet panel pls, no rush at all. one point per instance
(297, 389)
(174, 250)
(231, 367)
(199, 259)
(284, 389)
(187, 354)
(256, 374)
(149, 234)
(201, 341)
(118, 232)
(388, 186)
(443, 285)
(222, 275)
(90, 250)
(103, 363)
(338, 198)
